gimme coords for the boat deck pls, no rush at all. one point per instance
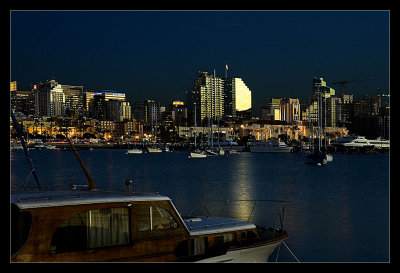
(208, 225)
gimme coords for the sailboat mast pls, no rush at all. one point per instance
(25, 149)
(195, 125)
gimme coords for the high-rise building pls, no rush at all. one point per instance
(178, 113)
(49, 99)
(290, 110)
(73, 97)
(237, 98)
(21, 101)
(207, 96)
(13, 86)
(322, 92)
(97, 108)
(272, 111)
(284, 109)
(148, 112)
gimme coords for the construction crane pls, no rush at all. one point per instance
(342, 83)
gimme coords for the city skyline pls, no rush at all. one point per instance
(157, 54)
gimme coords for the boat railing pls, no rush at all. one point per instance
(257, 211)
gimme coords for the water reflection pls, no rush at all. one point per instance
(242, 187)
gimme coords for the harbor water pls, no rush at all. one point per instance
(334, 213)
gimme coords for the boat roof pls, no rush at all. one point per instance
(42, 199)
(206, 225)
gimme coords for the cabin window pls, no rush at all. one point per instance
(225, 238)
(91, 229)
(248, 235)
(152, 218)
(197, 246)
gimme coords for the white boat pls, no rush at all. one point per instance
(215, 151)
(154, 149)
(221, 151)
(197, 154)
(211, 152)
(380, 143)
(269, 147)
(50, 146)
(134, 151)
(361, 141)
(352, 141)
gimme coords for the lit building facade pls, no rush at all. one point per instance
(21, 101)
(283, 109)
(98, 105)
(73, 97)
(49, 99)
(290, 110)
(148, 112)
(237, 98)
(207, 96)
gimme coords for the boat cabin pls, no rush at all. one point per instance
(86, 226)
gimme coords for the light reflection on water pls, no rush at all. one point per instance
(333, 213)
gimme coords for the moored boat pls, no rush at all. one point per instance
(80, 225)
(134, 151)
(197, 154)
(269, 147)
(154, 149)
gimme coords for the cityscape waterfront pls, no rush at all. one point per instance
(109, 109)
(53, 111)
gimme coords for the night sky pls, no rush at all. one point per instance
(157, 54)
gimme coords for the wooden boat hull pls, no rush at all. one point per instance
(97, 226)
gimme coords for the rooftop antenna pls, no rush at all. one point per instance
(226, 71)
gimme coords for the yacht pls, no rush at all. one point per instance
(352, 141)
(269, 147)
(361, 141)
(197, 154)
(134, 151)
(81, 225)
(380, 143)
(154, 149)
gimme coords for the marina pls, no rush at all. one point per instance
(352, 197)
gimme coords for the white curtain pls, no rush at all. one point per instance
(108, 227)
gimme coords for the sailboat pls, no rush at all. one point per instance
(196, 153)
(318, 157)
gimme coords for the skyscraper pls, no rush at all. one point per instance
(99, 102)
(207, 96)
(73, 97)
(237, 98)
(49, 99)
